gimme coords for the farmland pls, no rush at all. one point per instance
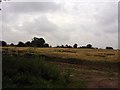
(77, 68)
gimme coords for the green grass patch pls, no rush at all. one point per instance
(32, 71)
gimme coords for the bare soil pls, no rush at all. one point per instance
(92, 78)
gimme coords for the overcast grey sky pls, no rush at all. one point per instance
(62, 22)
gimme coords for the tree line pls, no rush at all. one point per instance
(36, 42)
(40, 42)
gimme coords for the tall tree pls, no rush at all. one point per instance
(12, 44)
(21, 44)
(3, 43)
(89, 46)
(46, 45)
(38, 42)
(75, 46)
(28, 43)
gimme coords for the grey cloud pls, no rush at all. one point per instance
(104, 18)
(113, 28)
(26, 7)
(107, 12)
(97, 16)
(39, 25)
(43, 27)
(11, 36)
(12, 10)
(77, 23)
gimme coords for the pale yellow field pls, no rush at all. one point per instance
(83, 54)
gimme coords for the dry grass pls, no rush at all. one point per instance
(82, 54)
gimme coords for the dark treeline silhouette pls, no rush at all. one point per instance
(21, 44)
(75, 45)
(109, 48)
(64, 46)
(40, 42)
(3, 43)
(36, 42)
(87, 46)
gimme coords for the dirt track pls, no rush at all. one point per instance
(93, 78)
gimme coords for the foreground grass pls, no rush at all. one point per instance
(34, 72)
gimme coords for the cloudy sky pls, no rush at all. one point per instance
(62, 22)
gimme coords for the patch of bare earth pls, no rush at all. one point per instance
(92, 78)
(102, 82)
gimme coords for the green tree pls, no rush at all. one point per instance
(38, 42)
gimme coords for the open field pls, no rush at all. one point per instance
(88, 68)
(65, 53)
